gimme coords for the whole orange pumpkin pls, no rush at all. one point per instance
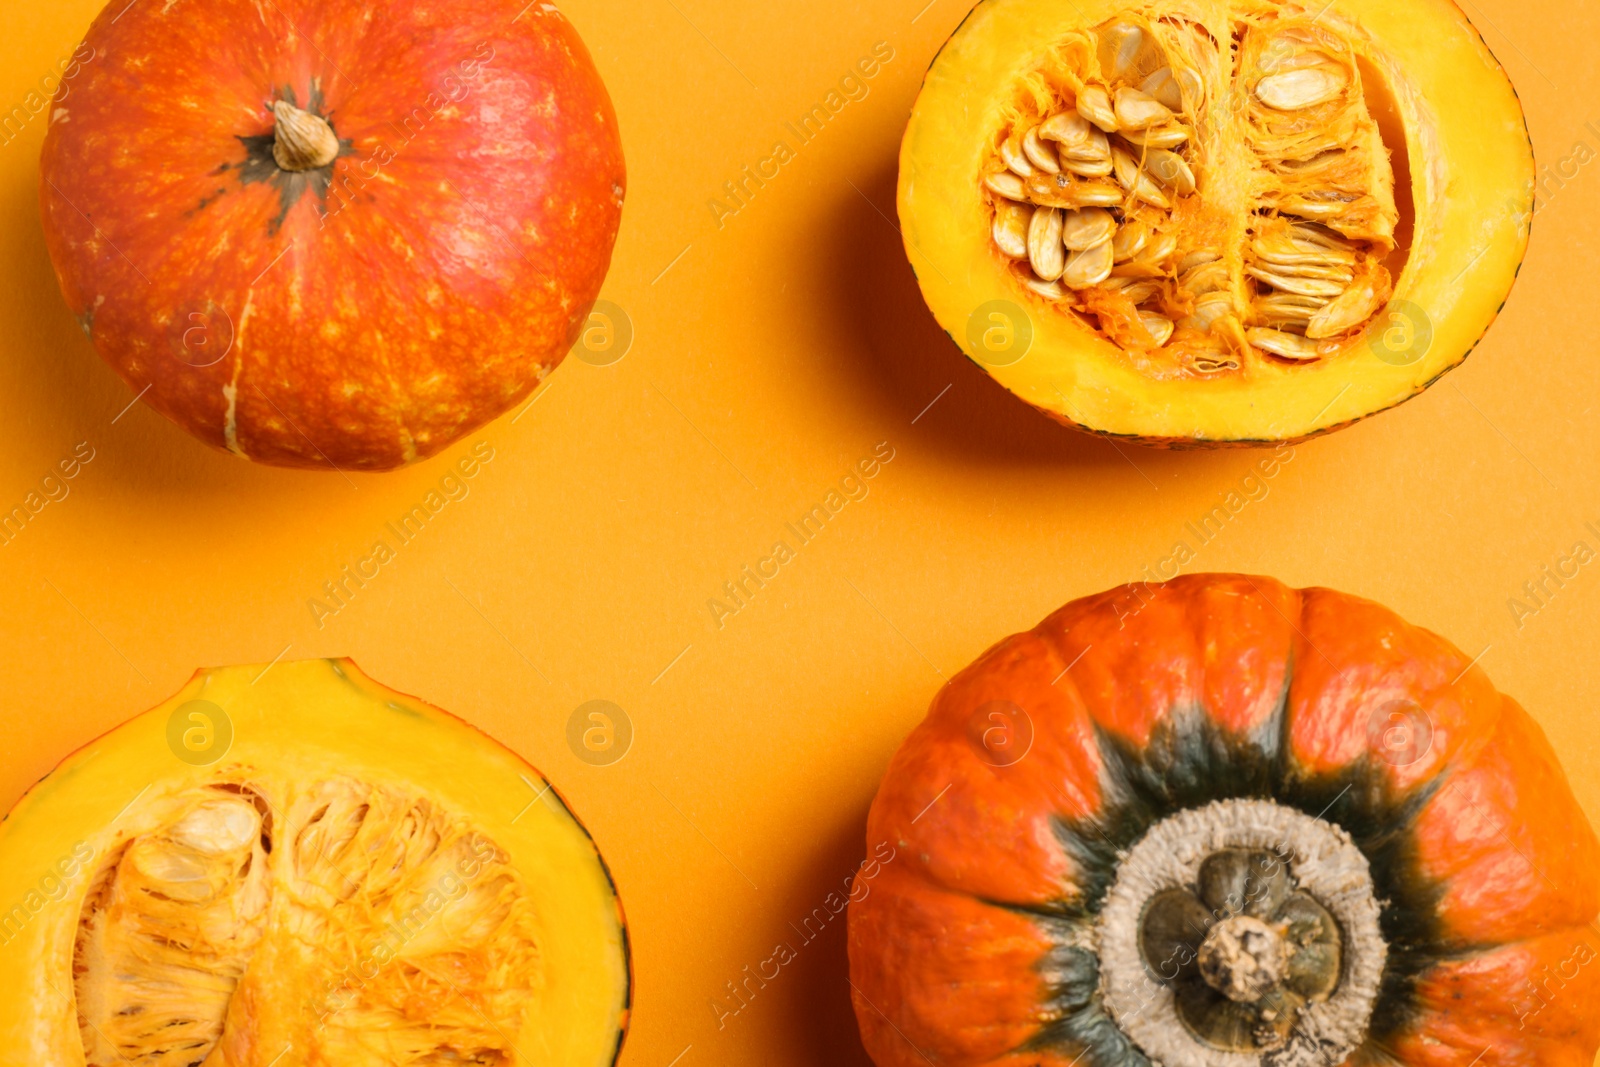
(332, 233)
(1223, 823)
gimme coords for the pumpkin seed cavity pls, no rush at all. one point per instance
(1209, 196)
(352, 924)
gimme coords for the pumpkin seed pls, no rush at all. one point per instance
(1097, 194)
(1295, 90)
(1317, 206)
(1208, 309)
(1159, 326)
(1287, 345)
(1120, 48)
(1159, 137)
(1309, 235)
(1087, 228)
(1161, 246)
(1088, 168)
(1171, 169)
(1135, 180)
(1094, 146)
(1011, 228)
(1094, 104)
(1004, 183)
(1068, 129)
(1064, 192)
(1041, 154)
(1163, 88)
(1286, 309)
(1089, 267)
(1349, 309)
(1331, 272)
(1195, 259)
(1139, 111)
(1139, 267)
(1292, 284)
(1205, 278)
(1317, 166)
(1011, 152)
(1048, 290)
(1130, 239)
(1285, 249)
(1192, 88)
(1045, 251)
(1047, 190)
(1137, 290)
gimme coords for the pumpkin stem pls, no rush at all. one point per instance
(1242, 958)
(303, 141)
(1243, 931)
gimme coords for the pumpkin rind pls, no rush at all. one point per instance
(359, 316)
(306, 721)
(1154, 699)
(1472, 184)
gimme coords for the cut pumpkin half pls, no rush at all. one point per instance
(1207, 222)
(299, 866)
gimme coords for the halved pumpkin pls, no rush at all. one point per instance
(1204, 222)
(295, 865)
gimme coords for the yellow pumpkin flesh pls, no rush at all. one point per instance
(359, 878)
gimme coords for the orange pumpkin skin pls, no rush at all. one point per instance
(359, 316)
(1150, 699)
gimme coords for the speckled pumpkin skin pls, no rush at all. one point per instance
(1146, 700)
(365, 315)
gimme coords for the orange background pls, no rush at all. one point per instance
(770, 354)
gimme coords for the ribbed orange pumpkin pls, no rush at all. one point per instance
(1089, 793)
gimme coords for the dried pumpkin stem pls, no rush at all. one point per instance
(1242, 958)
(303, 141)
(1242, 929)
